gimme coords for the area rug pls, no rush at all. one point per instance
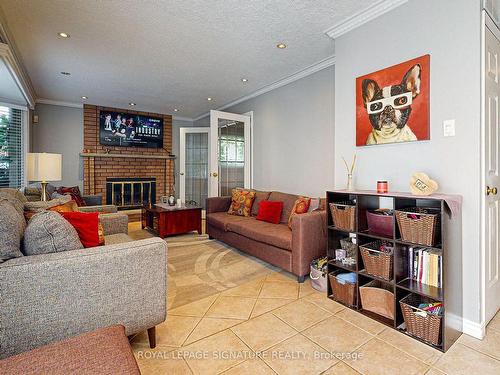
(199, 267)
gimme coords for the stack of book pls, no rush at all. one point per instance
(425, 265)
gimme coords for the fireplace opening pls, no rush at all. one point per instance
(130, 193)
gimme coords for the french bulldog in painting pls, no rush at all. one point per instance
(389, 108)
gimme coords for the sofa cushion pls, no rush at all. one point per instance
(13, 225)
(273, 234)
(45, 205)
(259, 197)
(301, 206)
(241, 202)
(288, 202)
(221, 219)
(49, 232)
(270, 211)
(15, 197)
(86, 225)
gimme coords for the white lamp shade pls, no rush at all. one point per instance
(44, 167)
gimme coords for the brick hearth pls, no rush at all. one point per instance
(96, 169)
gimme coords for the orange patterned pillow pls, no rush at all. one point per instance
(241, 202)
(100, 230)
(70, 206)
(301, 206)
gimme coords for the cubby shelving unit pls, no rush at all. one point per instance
(449, 242)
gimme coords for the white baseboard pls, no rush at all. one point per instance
(474, 329)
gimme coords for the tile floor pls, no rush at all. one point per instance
(275, 326)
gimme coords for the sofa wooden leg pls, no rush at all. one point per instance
(210, 237)
(301, 279)
(152, 337)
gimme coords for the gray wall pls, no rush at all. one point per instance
(60, 130)
(448, 30)
(293, 135)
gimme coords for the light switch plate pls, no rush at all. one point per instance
(449, 128)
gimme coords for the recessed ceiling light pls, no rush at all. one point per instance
(176, 109)
(281, 45)
(84, 97)
(66, 73)
(209, 99)
(132, 104)
(244, 80)
(63, 35)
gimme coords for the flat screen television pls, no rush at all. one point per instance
(130, 130)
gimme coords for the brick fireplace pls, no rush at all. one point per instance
(111, 162)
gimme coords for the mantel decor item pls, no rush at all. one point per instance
(392, 104)
(44, 167)
(421, 184)
(350, 171)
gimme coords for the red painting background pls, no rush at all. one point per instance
(419, 117)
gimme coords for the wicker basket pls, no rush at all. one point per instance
(343, 293)
(377, 263)
(426, 328)
(344, 215)
(377, 297)
(419, 225)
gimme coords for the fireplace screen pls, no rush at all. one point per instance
(130, 193)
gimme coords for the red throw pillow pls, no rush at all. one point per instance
(270, 211)
(87, 226)
(74, 192)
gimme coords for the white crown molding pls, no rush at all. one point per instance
(363, 16)
(59, 103)
(325, 63)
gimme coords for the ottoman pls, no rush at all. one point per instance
(104, 351)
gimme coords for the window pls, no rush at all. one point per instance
(12, 148)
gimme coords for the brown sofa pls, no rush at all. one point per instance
(292, 250)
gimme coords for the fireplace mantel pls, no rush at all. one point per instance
(130, 156)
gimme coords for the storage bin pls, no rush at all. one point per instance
(378, 297)
(344, 215)
(419, 225)
(419, 323)
(343, 292)
(378, 263)
(380, 224)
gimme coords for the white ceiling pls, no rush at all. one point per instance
(169, 54)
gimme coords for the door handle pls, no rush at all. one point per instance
(182, 173)
(215, 174)
(491, 190)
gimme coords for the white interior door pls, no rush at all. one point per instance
(194, 150)
(230, 155)
(491, 163)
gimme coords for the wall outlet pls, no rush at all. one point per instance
(449, 128)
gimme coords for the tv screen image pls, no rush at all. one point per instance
(130, 130)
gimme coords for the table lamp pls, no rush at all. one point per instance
(44, 167)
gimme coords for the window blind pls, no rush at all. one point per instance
(11, 147)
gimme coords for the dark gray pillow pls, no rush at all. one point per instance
(49, 232)
(12, 227)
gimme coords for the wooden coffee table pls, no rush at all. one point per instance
(165, 220)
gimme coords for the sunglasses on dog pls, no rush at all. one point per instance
(396, 101)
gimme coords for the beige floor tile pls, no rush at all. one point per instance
(264, 305)
(231, 307)
(321, 300)
(154, 366)
(410, 346)
(460, 359)
(250, 289)
(301, 314)
(198, 308)
(282, 276)
(490, 344)
(337, 335)
(495, 322)
(340, 369)
(175, 330)
(216, 353)
(377, 357)
(263, 332)
(298, 355)
(361, 321)
(305, 289)
(276, 289)
(250, 367)
(434, 371)
(209, 326)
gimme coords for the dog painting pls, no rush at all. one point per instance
(392, 105)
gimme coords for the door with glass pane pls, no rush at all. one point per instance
(193, 165)
(230, 156)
